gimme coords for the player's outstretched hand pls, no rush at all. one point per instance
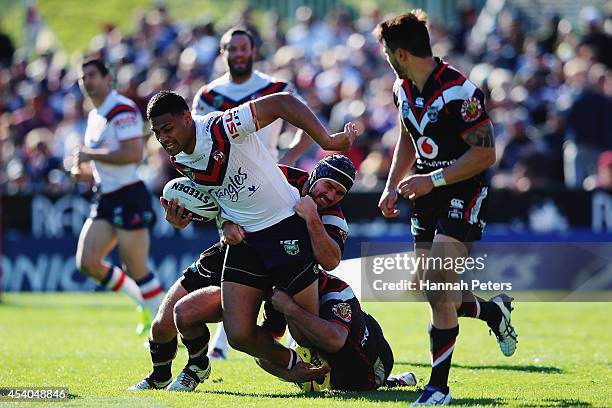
(304, 372)
(174, 213)
(388, 203)
(232, 234)
(344, 140)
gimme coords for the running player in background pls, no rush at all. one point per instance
(444, 125)
(121, 212)
(240, 84)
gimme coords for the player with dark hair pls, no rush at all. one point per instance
(242, 83)
(195, 299)
(221, 151)
(121, 212)
(444, 125)
(239, 84)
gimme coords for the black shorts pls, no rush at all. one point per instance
(383, 361)
(362, 364)
(206, 271)
(280, 256)
(128, 208)
(456, 210)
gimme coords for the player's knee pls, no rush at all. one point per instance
(86, 263)
(184, 314)
(239, 338)
(162, 330)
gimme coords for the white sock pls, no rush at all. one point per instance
(152, 292)
(219, 340)
(117, 280)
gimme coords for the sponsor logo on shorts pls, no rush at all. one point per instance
(291, 246)
(454, 214)
(456, 203)
(343, 311)
(118, 216)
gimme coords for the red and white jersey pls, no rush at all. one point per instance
(223, 94)
(242, 176)
(118, 119)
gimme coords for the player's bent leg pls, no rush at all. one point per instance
(96, 240)
(240, 309)
(134, 252)
(162, 342)
(190, 315)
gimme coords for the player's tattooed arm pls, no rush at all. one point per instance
(482, 136)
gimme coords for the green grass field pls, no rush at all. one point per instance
(86, 342)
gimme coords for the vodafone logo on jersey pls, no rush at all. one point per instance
(427, 147)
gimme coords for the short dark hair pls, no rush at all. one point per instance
(166, 102)
(227, 36)
(99, 64)
(407, 31)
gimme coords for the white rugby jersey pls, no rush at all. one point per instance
(223, 94)
(116, 120)
(229, 158)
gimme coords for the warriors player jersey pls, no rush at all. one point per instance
(448, 107)
(238, 170)
(223, 94)
(116, 120)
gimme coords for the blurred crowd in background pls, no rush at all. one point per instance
(548, 86)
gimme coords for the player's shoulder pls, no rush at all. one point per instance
(452, 77)
(121, 105)
(263, 79)
(332, 288)
(296, 177)
(217, 83)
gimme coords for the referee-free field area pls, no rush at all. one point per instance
(86, 342)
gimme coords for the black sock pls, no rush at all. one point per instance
(162, 355)
(478, 308)
(442, 344)
(197, 349)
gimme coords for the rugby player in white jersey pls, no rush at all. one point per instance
(220, 150)
(121, 212)
(195, 299)
(241, 83)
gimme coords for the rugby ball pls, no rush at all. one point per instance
(312, 356)
(198, 202)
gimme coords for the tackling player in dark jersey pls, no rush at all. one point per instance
(444, 125)
(350, 339)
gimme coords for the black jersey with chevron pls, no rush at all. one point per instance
(448, 107)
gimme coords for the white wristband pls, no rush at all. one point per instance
(437, 178)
